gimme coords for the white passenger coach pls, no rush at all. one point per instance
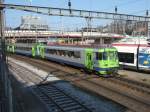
(134, 53)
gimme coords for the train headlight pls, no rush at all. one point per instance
(146, 62)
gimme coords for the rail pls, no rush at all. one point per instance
(55, 99)
(125, 92)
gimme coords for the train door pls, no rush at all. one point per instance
(42, 51)
(13, 48)
(33, 51)
(38, 50)
(89, 59)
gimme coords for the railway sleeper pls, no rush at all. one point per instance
(63, 100)
(66, 105)
(68, 109)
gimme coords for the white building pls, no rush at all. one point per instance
(33, 23)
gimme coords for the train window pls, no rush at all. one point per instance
(99, 55)
(126, 57)
(116, 55)
(60, 52)
(89, 57)
(77, 54)
(24, 48)
(66, 53)
(71, 54)
(111, 55)
(51, 51)
(48, 51)
(63, 53)
(28, 48)
(105, 55)
(57, 52)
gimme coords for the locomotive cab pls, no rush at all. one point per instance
(107, 59)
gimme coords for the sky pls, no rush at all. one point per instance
(136, 7)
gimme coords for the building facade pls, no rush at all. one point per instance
(33, 23)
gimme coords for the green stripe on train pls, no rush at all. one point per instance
(89, 58)
(111, 61)
(39, 50)
(42, 51)
(33, 51)
(11, 48)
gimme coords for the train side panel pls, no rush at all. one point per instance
(23, 49)
(65, 55)
(144, 58)
(81, 57)
(23, 52)
(127, 56)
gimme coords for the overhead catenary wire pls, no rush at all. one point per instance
(143, 11)
(137, 12)
(122, 4)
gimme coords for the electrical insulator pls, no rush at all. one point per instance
(146, 12)
(116, 9)
(69, 3)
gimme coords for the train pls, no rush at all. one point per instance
(134, 53)
(102, 60)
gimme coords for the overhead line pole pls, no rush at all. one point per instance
(2, 56)
(2, 30)
(148, 25)
(5, 97)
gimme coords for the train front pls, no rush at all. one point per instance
(108, 61)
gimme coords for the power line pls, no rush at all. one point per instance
(123, 4)
(129, 2)
(75, 13)
(145, 11)
(140, 11)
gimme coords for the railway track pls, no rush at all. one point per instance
(138, 86)
(55, 99)
(58, 101)
(135, 93)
